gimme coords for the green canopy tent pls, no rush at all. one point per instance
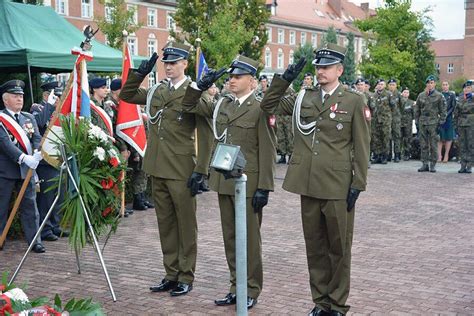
(36, 39)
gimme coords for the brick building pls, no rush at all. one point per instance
(455, 58)
(292, 23)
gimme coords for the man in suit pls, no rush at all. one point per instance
(170, 160)
(238, 119)
(19, 151)
(328, 169)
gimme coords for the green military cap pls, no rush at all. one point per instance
(243, 66)
(13, 87)
(430, 78)
(329, 54)
(174, 51)
(392, 80)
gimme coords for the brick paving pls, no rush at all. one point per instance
(413, 254)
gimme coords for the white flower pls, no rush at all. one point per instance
(113, 152)
(97, 132)
(17, 294)
(99, 152)
(103, 136)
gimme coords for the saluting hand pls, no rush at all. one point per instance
(147, 65)
(293, 70)
(208, 79)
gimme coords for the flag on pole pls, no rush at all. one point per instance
(130, 125)
(202, 67)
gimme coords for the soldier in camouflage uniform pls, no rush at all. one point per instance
(430, 113)
(406, 122)
(383, 122)
(396, 104)
(284, 133)
(464, 123)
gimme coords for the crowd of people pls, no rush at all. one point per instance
(328, 132)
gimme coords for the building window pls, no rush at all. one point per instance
(151, 79)
(132, 45)
(152, 17)
(303, 38)
(47, 3)
(269, 34)
(108, 12)
(268, 58)
(280, 59)
(134, 18)
(292, 37)
(450, 68)
(86, 9)
(281, 36)
(151, 45)
(437, 67)
(62, 7)
(319, 13)
(291, 58)
(314, 39)
(170, 23)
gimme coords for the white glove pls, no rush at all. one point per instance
(38, 155)
(52, 98)
(30, 161)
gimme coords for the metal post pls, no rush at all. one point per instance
(31, 84)
(40, 228)
(241, 243)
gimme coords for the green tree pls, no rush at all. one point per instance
(226, 28)
(398, 44)
(330, 36)
(120, 19)
(349, 61)
(305, 51)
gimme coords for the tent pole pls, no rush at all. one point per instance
(31, 85)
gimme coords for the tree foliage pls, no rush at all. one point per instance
(398, 44)
(121, 18)
(330, 36)
(305, 51)
(226, 28)
(349, 61)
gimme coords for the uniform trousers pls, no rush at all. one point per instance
(28, 211)
(429, 143)
(396, 135)
(176, 214)
(466, 144)
(382, 134)
(328, 230)
(254, 244)
(406, 140)
(45, 199)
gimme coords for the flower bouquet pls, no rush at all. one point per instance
(13, 301)
(98, 172)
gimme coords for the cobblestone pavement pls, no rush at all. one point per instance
(413, 254)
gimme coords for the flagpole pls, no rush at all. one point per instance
(29, 174)
(122, 195)
(198, 54)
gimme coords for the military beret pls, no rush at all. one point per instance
(47, 86)
(468, 83)
(308, 74)
(330, 54)
(379, 81)
(359, 80)
(262, 77)
(13, 87)
(430, 78)
(174, 51)
(116, 84)
(392, 80)
(405, 88)
(243, 65)
(366, 81)
(97, 83)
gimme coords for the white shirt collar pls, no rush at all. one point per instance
(178, 84)
(329, 92)
(242, 99)
(11, 112)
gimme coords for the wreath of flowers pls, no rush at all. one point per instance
(99, 176)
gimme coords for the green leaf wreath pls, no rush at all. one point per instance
(99, 176)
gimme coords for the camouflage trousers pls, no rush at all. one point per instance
(284, 134)
(466, 143)
(139, 181)
(396, 135)
(381, 134)
(406, 134)
(429, 143)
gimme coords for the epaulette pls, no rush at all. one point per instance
(354, 91)
(310, 88)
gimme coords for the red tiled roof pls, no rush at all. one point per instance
(445, 48)
(305, 13)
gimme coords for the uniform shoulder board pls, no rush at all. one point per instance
(354, 91)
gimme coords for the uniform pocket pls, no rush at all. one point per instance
(341, 166)
(183, 150)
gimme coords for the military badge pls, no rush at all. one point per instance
(339, 126)
(28, 128)
(333, 109)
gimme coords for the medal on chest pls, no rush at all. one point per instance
(339, 126)
(333, 109)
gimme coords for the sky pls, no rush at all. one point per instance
(448, 15)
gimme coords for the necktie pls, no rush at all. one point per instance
(236, 103)
(172, 89)
(17, 118)
(326, 97)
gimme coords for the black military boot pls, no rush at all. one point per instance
(433, 166)
(424, 168)
(468, 168)
(397, 157)
(146, 202)
(463, 168)
(282, 159)
(138, 204)
(383, 160)
(376, 159)
(406, 157)
(388, 157)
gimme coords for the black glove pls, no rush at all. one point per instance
(260, 199)
(352, 198)
(147, 65)
(293, 70)
(194, 182)
(208, 79)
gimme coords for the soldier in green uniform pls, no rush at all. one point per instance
(238, 119)
(381, 131)
(99, 91)
(430, 113)
(396, 104)
(308, 80)
(328, 169)
(262, 86)
(284, 134)
(464, 123)
(406, 123)
(170, 160)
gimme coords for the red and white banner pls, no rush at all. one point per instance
(17, 131)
